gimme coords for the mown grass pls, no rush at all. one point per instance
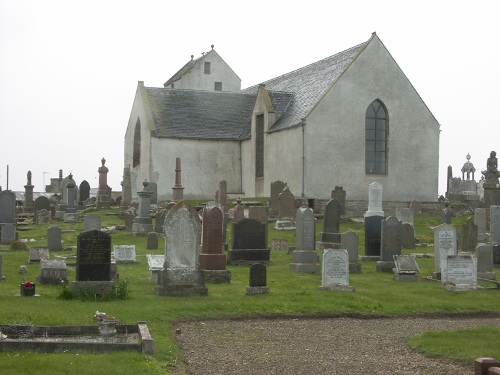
(291, 294)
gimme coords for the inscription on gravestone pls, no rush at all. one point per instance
(93, 256)
(258, 276)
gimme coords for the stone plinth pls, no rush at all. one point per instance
(305, 261)
(248, 256)
(217, 276)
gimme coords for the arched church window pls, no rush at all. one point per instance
(376, 126)
(136, 158)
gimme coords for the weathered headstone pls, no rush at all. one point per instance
(480, 221)
(153, 187)
(181, 274)
(84, 194)
(405, 215)
(279, 244)
(339, 195)
(41, 203)
(36, 254)
(350, 242)
(52, 272)
(447, 213)
(445, 244)
(91, 222)
(258, 280)
(495, 224)
(2, 277)
(286, 204)
(152, 241)
(276, 189)
(304, 257)
(7, 207)
(155, 263)
(416, 207)
(335, 270)
(8, 233)
(460, 273)
(249, 243)
(468, 241)
(54, 240)
(496, 255)
(238, 212)
(391, 243)
(374, 200)
(125, 254)
(408, 234)
(484, 256)
(43, 217)
(143, 223)
(93, 261)
(331, 222)
(406, 268)
(126, 188)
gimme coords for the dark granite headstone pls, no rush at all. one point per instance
(373, 225)
(152, 241)
(339, 195)
(496, 255)
(41, 203)
(331, 222)
(258, 275)
(84, 193)
(7, 207)
(468, 241)
(276, 189)
(408, 236)
(249, 234)
(93, 256)
(391, 241)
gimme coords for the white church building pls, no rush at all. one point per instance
(348, 120)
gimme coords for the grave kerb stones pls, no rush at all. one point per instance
(335, 271)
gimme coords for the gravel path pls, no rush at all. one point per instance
(317, 346)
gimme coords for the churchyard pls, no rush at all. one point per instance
(290, 293)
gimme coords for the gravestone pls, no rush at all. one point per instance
(258, 280)
(43, 217)
(339, 195)
(391, 243)
(181, 274)
(52, 272)
(445, 244)
(279, 244)
(7, 207)
(41, 203)
(178, 189)
(484, 256)
(481, 222)
(276, 189)
(133, 188)
(143, 223)
(126, 188)
(460, 273)
(496, 255)
(350, 242)
(91, 222)
(36, 254)
(408, 234)
(447, 213)
(152, 241)
(160, 220)
(249, 243)
(374, 200)
(153, 187)
(54, 240)
(416, 207)
(103, 192)
(71, 197)
(405, 215)
(468, 241)
(155, 263)
(125, 254)
(335, 271)
(8, 233)
(93, 257)
(304, 257)
(373, 220)
(238, 212)
(84, 195)
(286, 210)
(28, 205)
(212, 257)
(331, 222)
(260, 213)
(129, 216)
(2, 277)
(406, 268)
(495, 224)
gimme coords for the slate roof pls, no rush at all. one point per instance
(185, 69)
(201, 114)
(306, 85)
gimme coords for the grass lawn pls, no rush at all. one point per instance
(291, 293)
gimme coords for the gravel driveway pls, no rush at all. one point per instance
(338, 345)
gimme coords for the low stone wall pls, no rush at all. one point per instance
(486, 366)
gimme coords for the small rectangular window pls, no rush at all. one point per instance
(207, 67)
(218, 86)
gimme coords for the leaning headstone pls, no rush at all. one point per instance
(445, 244)
(249, 243)
(335, 271)
(304, 257)
(93, 263)
(276, 189)
(258, 280)
(36, 254)
(155, 263)
(7, 207)
(468, 241)
(339, 195)
(52, 272)
(2, 277)
(8, 233)
(408, 236)
(91, 222)
(181, 274)
(212, 257)
(406, 268)
(391, 243)
(331, 222)
(125, 254)
(460, 273)
(43, 217)
(495, 224)
(54, 241)
(152, 241)
(484, 256)
(350, 242)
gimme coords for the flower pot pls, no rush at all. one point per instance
(27, 291)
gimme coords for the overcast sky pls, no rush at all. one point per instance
(69, 69)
